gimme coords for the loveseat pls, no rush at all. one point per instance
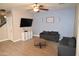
(50, 35)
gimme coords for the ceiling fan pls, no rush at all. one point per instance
(37, 7)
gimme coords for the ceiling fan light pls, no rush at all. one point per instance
(5, 16)
(36, 9)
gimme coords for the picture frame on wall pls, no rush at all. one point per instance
(50, 19)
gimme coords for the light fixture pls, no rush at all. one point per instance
(36, 9)
(2, 17)
(5, 16)
(2, 12)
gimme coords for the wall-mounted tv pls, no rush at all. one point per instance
(26, 22)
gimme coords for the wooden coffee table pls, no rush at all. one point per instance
(39, 42)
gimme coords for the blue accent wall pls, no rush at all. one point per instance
(63, 21)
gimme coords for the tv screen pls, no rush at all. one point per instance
(25, 22)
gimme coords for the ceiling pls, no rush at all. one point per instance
(28, 6)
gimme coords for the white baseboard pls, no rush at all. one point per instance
(3, 40)
(11, 40)
(17, 40)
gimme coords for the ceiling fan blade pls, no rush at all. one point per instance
(44, 9)
(41, 6)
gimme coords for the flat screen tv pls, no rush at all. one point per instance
(26, 22)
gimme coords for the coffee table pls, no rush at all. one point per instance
(39, 42)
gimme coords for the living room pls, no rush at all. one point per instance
(60, 18)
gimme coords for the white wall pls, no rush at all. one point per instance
(16, 17)
(6, 30)
(10, 26)
(77, 30)
(3, 33)
(63, 21)
(11, 30)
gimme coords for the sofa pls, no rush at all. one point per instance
(50, 35)
(67, 46)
